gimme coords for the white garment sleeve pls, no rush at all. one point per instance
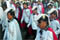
(30, 22)
(39, 9)
(58, 26)
(22, 17)
(49, 36)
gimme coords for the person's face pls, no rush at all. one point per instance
(38, 2)
(25, 6)
(9, 16)
(43, 24)
(49, 7)
(4, 8)
(34, 11)
(54, 0)
(53, 16)
(17, 5)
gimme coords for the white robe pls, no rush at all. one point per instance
(33, 21)
(3, 20)
(17, 12)
(26, 15)
(47, 35)
(12, 31)
(39, 9)
(1, 15)
(54, 25)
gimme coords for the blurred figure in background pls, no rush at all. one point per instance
(55, 4)
(25, 18)
(54, 23)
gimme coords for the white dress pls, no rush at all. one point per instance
(12, 31)
(54, 25)
(46, 35)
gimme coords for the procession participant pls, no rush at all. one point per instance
(13, 31)
(44, 32)
(25, 17)
(54, 23)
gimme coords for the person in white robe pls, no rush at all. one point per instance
(32, 21)
(42, 31)
(12, 31)
(26, 14)
(1, 23)
(54, 23)
(39, 8)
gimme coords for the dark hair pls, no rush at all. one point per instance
(50, 5)
(35, 9)
(55, 13)
(11, 12)
(4, 5)
(42, 19)
(25, 3)
(18, 3)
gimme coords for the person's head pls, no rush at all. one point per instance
(50, 5)
(2, 0)
(38, 2)
(10, 14)
(4, 6)
(18, 4)
(25, 5)
(55, 0)
(43, 21)
(11, 1)
(34, 9)
(53, 15)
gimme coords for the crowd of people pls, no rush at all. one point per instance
(25, 20)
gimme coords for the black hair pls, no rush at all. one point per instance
(50, 5)
(11, 12)
(35, 9)
(43, 19)
(25, 3)
(18, 3)
(4, 5)
(55, 13)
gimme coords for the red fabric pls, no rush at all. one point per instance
(30, 30)
(19, 16)
(58, 14)
(42, 8)
(29, 7)
(59, 37)
(22, 24)
(58, 20)
(54, 35)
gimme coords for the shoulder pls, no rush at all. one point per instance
(50, 35)
(39, 6)
(27, 9)
(56, 21)
(49, 32)
(15, 21)
(1, 8)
